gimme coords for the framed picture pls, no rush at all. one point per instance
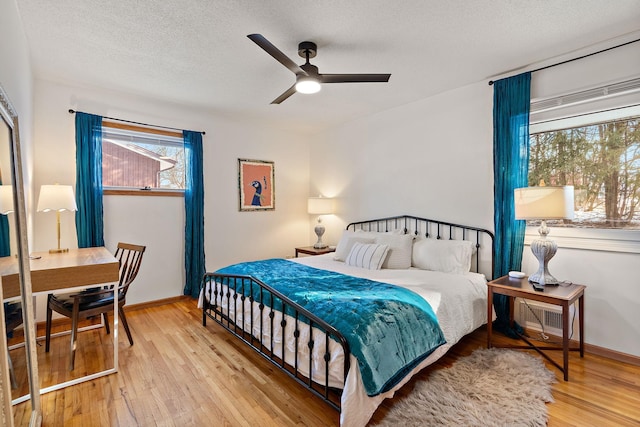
(255, 185)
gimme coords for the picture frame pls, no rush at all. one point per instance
(256, 189)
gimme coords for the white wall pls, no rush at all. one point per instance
(158, 222)
(17, 81)
(433, 158)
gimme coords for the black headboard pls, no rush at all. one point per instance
(435, 229)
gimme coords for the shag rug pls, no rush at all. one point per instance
(490, 387)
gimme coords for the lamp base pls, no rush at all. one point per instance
(543, 249)
(58, 251)
(319, 230)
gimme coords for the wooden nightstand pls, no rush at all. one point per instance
(560, 295)
(310, 250)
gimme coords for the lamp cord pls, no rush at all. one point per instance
(543, 335)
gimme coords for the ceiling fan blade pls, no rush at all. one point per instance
(354, 78)
(268, 47)
(287, 93)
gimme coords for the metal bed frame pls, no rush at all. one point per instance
(433, 228)
(238, 291)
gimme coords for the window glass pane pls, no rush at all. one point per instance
(139, 160)
(602, 162)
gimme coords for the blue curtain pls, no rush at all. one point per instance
(5, 244)
(89, 216)
(194, 213)
(511, 101)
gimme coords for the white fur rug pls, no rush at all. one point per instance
(491, 387)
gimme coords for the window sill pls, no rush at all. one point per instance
(139, 192)
(627, 241)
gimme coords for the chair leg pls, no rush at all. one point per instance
(12, 374)
(48, 326)
(105, 317)
(74, 332)
(125, 324)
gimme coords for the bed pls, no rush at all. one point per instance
(422, 281)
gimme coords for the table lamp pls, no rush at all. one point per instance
(56, 198)
(543, 203)
(320, 206)
(6, 199)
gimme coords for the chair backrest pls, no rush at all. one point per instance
(130, 257)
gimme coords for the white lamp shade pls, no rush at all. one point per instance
(320, 205)
(6, 199)
(56, 198)
(544, 202)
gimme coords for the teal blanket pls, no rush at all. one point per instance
(390, 330)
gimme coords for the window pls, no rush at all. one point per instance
(134, 157)
(602, 161)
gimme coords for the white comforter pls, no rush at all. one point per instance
(459, 301)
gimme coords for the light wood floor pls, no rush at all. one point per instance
(179, 373)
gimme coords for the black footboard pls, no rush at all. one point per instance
(253, 312)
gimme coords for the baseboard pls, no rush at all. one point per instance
(64, 321)
(612, 354)
(155, 303)
(594, 349)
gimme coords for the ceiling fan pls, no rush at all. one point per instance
(308, 79)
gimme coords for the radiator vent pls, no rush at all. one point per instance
(538, 312)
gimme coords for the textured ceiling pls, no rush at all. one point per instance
(196, 53)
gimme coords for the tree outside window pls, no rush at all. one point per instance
(602, 162)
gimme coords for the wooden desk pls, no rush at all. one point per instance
(51, 272)
(563, 296)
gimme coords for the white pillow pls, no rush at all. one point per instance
(448, 256)
(367, 255)
(346, 243)
(400, 246)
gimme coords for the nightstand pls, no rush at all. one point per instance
(563, 296)
(310, 250)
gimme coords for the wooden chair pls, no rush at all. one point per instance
(97, 301)
(12, 319)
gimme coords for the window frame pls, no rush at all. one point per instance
(135, 191)
(598, 239)
(130, 191)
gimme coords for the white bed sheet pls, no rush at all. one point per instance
(459, 301)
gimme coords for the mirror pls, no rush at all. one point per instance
(7, 231)
(14, 262)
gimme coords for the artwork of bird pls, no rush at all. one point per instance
(257, 196)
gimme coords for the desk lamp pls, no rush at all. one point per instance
(56, 198)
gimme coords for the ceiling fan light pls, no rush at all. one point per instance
(306, 84)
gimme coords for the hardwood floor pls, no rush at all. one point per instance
(179, 373)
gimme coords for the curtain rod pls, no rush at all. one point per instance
(71, 111)
(580, 57)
